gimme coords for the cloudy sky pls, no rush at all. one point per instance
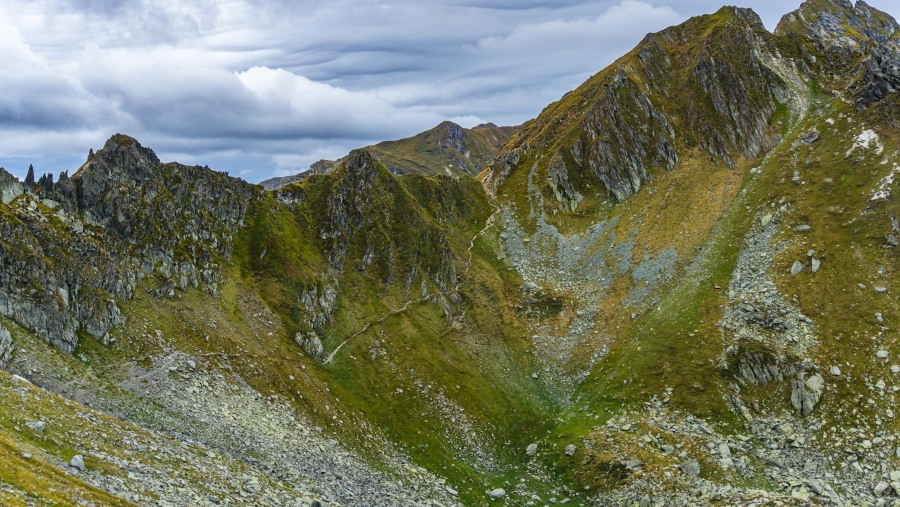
(265, 87)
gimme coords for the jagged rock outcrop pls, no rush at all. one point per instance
(74, 248)
(55, 279)
(6, 346)
(859, 43)
(618, 150)
(348, 204)
(806, 392)
(178, 219)
(10, 187)
(761, 368)
(562, 188)
(311, 344)
(451, 137)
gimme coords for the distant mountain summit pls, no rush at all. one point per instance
(445, 149)
(318, 167)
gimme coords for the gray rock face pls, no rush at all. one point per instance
(559, 183)
(797, 268)
(858, 40)
(311, 344)
(10, 187)
(617, 158)
(806, 392)
(758, 368)
(6, 346)
(121, 218)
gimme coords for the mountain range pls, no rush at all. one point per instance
(675, 286)
(446, 149)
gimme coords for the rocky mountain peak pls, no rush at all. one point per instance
(845, 37)
(838, 23)
(360, 162)
(743, 14)
(127, 153)
(633, 118)
(451, 135)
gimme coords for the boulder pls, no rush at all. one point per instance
(38, 426)
(806, 392)
(77, 462)
(497, 494)
(691, 467)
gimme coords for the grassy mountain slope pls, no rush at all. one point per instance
(695, 312)
(678, 290)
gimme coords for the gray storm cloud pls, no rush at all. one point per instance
(263, 87)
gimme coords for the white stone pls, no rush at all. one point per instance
(497, 494)
(724, 450)
(835, 371)
(866, 139)
(77, 462)
(38, 426)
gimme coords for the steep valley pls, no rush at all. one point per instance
(675, 286)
